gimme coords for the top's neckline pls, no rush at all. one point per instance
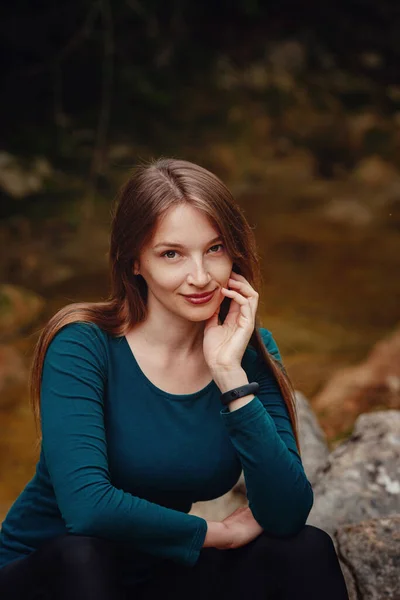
(158, 390)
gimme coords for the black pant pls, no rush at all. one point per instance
(75, 567)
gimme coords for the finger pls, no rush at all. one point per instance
(243, 306)
(240, 299)
(243, 301)
(252, 295)
(243, 286)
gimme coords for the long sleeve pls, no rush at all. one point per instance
(279, 493)
(75, 449)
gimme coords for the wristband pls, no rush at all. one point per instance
(239, 392)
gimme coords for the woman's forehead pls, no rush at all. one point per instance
(183, 223)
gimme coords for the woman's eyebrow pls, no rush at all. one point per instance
(175, 245)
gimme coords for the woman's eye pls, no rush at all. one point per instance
(217, 246)
(168, 252)
(174, 251)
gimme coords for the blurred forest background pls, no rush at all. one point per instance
(295, 105)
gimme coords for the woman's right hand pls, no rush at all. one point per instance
(242, 527)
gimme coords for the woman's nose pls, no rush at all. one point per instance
(199, 275)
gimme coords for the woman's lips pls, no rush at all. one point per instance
(201, 300)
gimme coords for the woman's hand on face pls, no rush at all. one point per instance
(224, 345)
(242, 527)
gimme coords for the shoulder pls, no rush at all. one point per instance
(80, 330)
(270, 343)
(81, 338)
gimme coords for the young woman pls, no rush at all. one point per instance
(153, 400)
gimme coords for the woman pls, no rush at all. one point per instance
(138, 421)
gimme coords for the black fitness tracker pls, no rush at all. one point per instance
(239, 392)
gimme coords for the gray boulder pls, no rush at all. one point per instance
(361, 477)
(313, 446)
(371, 552)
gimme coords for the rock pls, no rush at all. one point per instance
(374, 171)
(356, 390)
(370, 550)
(359, 125)
(348, 211)
(20, 181)
(13, 376)
(348, 577)
(361, 478)
(313, 445)
(19, 308)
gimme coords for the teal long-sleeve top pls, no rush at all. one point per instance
(124, 460)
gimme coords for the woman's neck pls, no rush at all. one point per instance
(169, 340)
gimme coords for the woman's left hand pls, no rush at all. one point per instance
(224, 345)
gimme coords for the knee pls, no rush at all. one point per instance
(311, 542)
(79, 552)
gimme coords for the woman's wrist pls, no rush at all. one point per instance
(227, 379)
(217, 536)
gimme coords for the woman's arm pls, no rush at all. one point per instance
(279, 493)
(75, 449)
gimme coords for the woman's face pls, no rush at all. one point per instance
(201, 264)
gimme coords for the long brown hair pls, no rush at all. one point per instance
(152, 189)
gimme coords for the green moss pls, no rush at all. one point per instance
(342, 436)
